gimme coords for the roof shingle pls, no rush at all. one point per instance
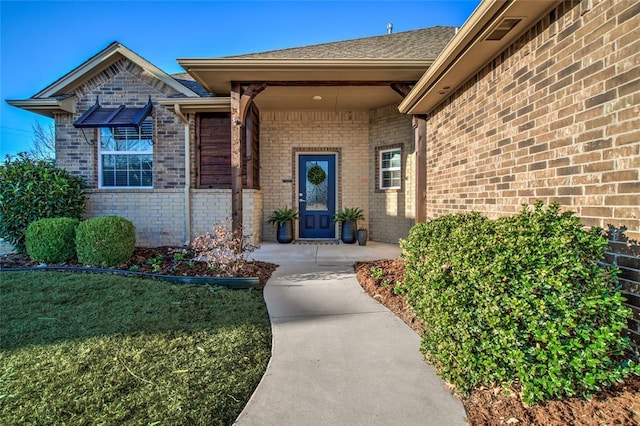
(424, 43)
(187, 80)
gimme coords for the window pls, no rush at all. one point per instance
(126, 156)
(390, 169)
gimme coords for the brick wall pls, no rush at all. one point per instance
(285, 133)
(392, 211)
(159, 215)
(355, 137)
(122, 83)
(209, 206)
(554, 117)
(625, 255)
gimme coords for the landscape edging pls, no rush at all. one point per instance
(230, 282)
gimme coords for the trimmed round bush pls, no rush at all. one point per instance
(522, 301)
(51, 240)
(32, 190)
(105, 241)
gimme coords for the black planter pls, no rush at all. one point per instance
(348, 235)
(362, 237)
(285, 232)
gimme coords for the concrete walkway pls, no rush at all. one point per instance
(339, 357)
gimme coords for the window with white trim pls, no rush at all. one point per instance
(391, 169)
(126, 156)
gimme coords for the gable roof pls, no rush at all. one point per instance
(425, 43)
(100, 61)
(57, 96)
(402, 58)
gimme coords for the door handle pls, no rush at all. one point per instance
(302, 201)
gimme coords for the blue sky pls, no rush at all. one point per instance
(41, 41)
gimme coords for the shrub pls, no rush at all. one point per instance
(52, 239)
(520, 301)
(105, 241)
(224, 250)
(32, 190)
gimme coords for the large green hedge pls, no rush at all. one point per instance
(105, 241)
(32, 190)
(521, 301)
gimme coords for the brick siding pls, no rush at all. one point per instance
(355, 136)
(159, 215)
(284, 133)
(626, 256)
(122, 83)
(554, 117)
(392, 211)
(209, 206)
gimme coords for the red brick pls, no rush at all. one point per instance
(591, 167)
(599, 189)
(630, 187)
(620, 176)
(621, 200)
(627, 138)
(597, 211)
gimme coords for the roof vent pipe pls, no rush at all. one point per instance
(389, 28)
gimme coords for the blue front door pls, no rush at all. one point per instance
(317, 197)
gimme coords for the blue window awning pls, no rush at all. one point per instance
(122, 116)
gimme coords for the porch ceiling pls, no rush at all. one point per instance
(333, 98)
(342, 84)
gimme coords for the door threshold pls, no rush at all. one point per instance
(310, 241)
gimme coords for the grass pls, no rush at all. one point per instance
(100, 349)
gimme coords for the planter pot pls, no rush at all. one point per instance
(285, 232)
(362, 237)
(348, 235)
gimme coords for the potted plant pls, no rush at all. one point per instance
(349, 217)
(283, 218)
(362, 236)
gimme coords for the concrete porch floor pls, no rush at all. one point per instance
(324, 254)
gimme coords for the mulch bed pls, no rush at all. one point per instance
(618, 405)
(158, 260)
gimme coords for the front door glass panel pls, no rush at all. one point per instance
(317, 185)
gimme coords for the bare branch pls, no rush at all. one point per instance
(44, 142)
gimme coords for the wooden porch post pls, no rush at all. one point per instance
(240, 101)
(236, 158)
(420, 126)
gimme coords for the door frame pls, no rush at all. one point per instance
(296, 190)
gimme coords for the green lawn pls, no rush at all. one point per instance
(101, 349)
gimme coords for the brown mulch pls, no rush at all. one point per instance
(618, 405)
(158, 260)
